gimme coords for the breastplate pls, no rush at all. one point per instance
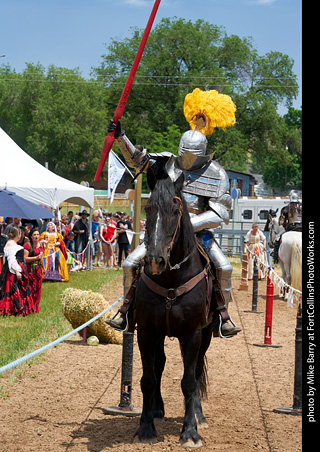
(295, 214)
(210, 181)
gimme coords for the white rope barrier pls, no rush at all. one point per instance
(56, 342)
(292, 294)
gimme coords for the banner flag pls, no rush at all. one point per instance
(116, 170)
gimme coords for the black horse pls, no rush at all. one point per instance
(172, 298)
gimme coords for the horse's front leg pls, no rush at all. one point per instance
(146, 433)
(201, 375)
(160, 360)
(189, 436)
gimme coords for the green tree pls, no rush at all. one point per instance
(56, 116)
(180, 56)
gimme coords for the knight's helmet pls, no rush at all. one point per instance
(193, 141)
(294, 197)
(205, 111)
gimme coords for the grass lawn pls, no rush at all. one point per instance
(21, 335)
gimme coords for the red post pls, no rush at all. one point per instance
(269, 309)
(109, 140)
(268, 321)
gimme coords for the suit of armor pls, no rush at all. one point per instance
(291, 216)
(205, 191)
(291, 220)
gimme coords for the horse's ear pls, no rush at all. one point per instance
(151, 178)
(269, 217)
(156, 172)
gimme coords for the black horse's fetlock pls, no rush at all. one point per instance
(145, 435)
(190, 439)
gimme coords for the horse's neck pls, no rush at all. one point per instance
(184, 250)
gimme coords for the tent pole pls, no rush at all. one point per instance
(90, 247)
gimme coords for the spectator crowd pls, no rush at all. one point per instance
(42, 250)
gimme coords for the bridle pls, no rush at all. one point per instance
(178, 223)
(177, 266)
(272, 232)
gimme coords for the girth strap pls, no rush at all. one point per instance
(171, 294)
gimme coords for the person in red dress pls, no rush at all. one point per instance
(108, 233)
(15, 294)
(33, 253)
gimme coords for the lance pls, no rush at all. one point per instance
(109, 140)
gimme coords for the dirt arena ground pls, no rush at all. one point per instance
(56, 406)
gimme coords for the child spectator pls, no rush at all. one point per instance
(71, 247)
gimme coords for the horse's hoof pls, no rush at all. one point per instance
(190, 443)
(137, 440)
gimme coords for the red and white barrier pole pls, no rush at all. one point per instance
(268, 320)
(269, 309)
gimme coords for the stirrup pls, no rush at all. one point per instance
(229, 335)
(108, 321)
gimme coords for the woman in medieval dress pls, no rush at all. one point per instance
(256, 243)
(55, 256)
(15, 294)
(33, 253)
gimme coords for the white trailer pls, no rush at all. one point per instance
(246, 210)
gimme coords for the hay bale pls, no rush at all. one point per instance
(79, 306)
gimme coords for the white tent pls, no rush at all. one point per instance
(27, 178)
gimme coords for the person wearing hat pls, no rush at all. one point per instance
(97, 221)
(123, 225)
(81, 231)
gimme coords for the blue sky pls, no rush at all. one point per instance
(73, 33)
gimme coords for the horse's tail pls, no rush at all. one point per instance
(296, 265)
(203, 381)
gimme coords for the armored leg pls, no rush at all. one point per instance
(223, 270)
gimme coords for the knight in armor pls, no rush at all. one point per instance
(206, 192)
(291, 220)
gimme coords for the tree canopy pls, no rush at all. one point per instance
(58, 116)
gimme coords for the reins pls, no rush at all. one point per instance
(178, 223)
(177, 266)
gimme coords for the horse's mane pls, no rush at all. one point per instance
(161, 200)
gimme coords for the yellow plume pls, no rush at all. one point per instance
(217, 109)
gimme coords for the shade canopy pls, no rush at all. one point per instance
(12, 205)
(22, 175)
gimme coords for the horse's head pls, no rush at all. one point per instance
(164, 212)
(274, 229)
